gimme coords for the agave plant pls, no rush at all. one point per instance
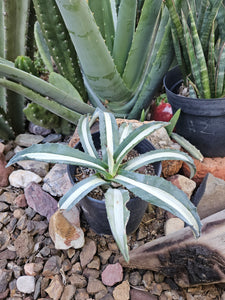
(115, 145)
(121, 61)
(199, 43)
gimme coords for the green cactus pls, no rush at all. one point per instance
(26, 64)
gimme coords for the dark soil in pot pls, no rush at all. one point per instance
(202, 121)
(94, 210)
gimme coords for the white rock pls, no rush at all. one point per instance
(25, 284)
(21, 178)
(57, 181)
(172, 225)
(27, 140)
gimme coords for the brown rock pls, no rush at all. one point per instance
(87, 252)
(55, 288)
(78, 280)
(215, 166)
(68, 292)
(141, 295)
(122, 291)
(5, 277)
(4, 172)
(24, 245)
(52, 266)
(33, 269)
(21, 201)
(112, 274)
(64, 233)
(183, 183)
(95, 286)
(7, 254)
(171, 167)
(4, 294)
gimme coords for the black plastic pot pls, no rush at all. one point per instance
(95, 211)
(202, 121)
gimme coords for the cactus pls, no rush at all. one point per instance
(26, 64)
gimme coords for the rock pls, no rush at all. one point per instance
(63, 233)
(38, 167)
(52, 266)
(21, 201)
(4, 239)
(17, 270)
(173, 224)
(95, 263)
(8, 197)
(148, 278)
(215, 166)
(52, 138)
(135, 278)
(95, 286)
(91, 273)
(171, 167)
(2, 147)
(87, 252)
(24, 245)
(21, 178)
(18, 213)
(141, 295)
(4, 294)
(105, 255)
(26, 284)
(3, 206)
(68, 292)
(112, 274)
(82, 294)
(209, 197)
(156, 289)
(55, 288)
(4, 172)
(4, 217)
(183, 183)
(79, 281)
(33, 269)
(5, 277)
(27, 140)
(57, 181)
(7, 254)
(122, 291)
(40, 201)
(38, 130)
(37, 227)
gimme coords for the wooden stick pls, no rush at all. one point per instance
(188, 260)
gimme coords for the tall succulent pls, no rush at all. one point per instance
(122, 62)
(199, 44)
(13, 32)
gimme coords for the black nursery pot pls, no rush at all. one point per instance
(202, 121)
(95, 210)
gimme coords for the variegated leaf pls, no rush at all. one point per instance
(162, 193)
(159, 155)
(79, 191)
(118, 216)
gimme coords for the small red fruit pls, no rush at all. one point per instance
(161, 109)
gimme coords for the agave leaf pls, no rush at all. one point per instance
(118, 215)
(57, 153)
(96, 61)
(173, 121)
(159, 155)
(124, 130)
(134, 138)
(42, 47)
(162, 193)
(79, 191)
(54, 107)
(64, 85)
(109, 135)
(85, 136)
(43, 87)
(124, 33)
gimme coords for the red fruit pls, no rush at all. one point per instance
(161, 109)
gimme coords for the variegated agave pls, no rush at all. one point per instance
(115, 145)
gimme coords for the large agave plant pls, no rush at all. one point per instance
(115, 145)
(123, 53)
(199, 43)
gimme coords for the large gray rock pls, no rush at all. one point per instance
(209, 197)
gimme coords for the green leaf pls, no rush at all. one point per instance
(220, 70)
(85, 136)
(118, 216)
(134, 138)
(58, 153)
(173, 121)
(159, 155)
(79, 191)
(162, 193)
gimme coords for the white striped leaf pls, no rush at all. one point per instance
(85, 136)
(159, 155)
(79, 191)
(162, 193)
(124, 130)
(135, 137)
(58, 153)
(109, 134)
(118, 216)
